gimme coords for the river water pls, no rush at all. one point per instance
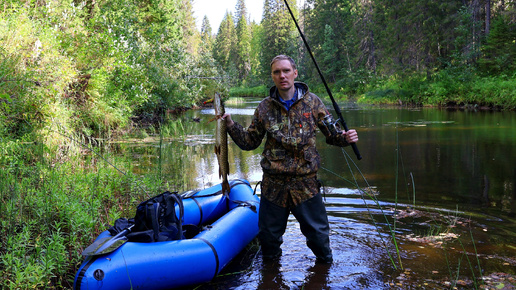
(430, 205)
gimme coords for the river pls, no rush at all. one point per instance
(430, 205)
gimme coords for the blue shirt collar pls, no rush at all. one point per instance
(288, 104)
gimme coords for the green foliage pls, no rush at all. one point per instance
(52, 204)
(206, 37)
(409, 52)
(328, 52)
(448, 87)
(387, 91)
(465, 43)
(243, 42)
(259, 91)
(328, 27)
(91, 67)
(35, 68)
(499, 52)
(254, 77)
(224, 48)
(354, 81)
(278, 33)
(497, 91)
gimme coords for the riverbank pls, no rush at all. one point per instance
(443, 90)
(476, 92)
(56, 200)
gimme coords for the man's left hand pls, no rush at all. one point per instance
(351, 136)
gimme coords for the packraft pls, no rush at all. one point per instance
(226, 225)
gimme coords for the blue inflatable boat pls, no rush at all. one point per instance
(228, 225)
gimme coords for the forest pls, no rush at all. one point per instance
(98, 66)
(81, 73)
(441, 53)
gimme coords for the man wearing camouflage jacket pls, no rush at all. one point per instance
(289, 118)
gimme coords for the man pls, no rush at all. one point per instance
(289, 117)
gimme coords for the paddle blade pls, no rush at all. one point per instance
(104, 246)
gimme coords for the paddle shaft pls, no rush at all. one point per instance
(335, 105)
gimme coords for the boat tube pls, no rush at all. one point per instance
(228, 225)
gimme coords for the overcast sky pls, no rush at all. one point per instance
(216, 9)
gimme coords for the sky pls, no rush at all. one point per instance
(216, 9)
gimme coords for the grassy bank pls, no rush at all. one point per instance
(53, 203)
(444, 89)
(259, 91)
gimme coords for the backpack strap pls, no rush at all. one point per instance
(151, 211)
(179, 201)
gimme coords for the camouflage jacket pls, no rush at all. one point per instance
(290, 144)
(290, 160)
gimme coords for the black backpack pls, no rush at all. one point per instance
(155, 220)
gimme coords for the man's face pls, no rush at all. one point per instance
(283, 74)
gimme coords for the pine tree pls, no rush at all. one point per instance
(499, 52)
(255, 54)
(223, 50)
(190, 33)
(243, 45)
(329, 51)
(240, 10)
(278, 32)
(206, 36)
(330, 32)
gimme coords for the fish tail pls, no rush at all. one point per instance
(225, 188)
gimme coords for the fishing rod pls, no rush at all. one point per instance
(335, 105)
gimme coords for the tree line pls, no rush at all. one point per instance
(94, 67)
(374, 47)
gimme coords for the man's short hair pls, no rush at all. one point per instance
(284, 57)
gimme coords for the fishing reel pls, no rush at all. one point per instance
(332, 125)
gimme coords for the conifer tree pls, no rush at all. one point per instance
(279, 35)
(243, 45)
(329, 52)
(223, 50)
(206, 36)
(499, 52)
(190, 34)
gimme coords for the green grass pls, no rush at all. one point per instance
(443, 89)
(52, 205)
(259, 91)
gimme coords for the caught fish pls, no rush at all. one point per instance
(221, 143)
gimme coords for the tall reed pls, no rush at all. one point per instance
(53, 203)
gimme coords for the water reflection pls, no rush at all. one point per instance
(272, 277)
(457, 165)
(315, 277)
(360, 262)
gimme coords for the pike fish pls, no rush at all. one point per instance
(221, 143)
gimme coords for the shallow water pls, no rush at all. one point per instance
(440, 209)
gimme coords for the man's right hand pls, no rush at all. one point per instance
(229, 121)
